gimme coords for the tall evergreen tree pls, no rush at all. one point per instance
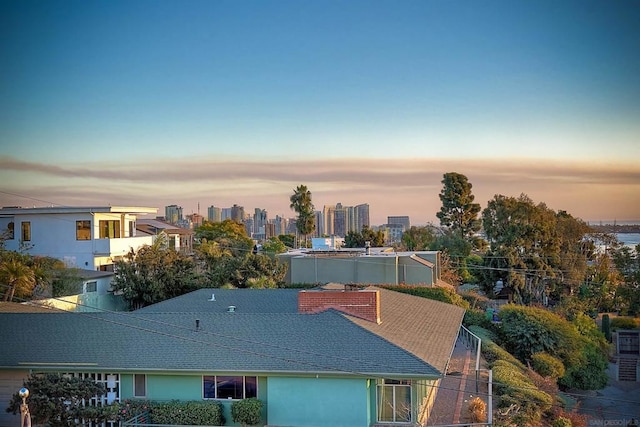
(458, 211)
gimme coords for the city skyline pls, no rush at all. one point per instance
(220, 103)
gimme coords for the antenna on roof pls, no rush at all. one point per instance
(213, 297)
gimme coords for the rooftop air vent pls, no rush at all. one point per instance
(231, 309)
(213, 297)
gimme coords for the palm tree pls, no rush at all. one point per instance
(302, 205)
(14, 275)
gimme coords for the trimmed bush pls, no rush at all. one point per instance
(547, 365)
(247, 412)
(491, 351)
(606, 327)
(624, 323)
(510, 381)
(187, 413)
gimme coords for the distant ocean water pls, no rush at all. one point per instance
(629, 239)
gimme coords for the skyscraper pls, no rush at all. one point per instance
(214, 214)
(173, 214)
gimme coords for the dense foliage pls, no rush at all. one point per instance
(58, 400)
(301, 203)
(24, 276)
(536, 252)
(247, 412)
(200, 413)
(358, 239)
(459, 213)
(580, 346)
(436, 293)
(153, 274)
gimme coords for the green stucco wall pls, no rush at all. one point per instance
(318, 402)
(377, 270)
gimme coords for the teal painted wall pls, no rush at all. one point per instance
(310, 402)
(162, 387)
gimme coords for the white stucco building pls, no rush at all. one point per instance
(90, 238)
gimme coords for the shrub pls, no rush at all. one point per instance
(623, 323)
(477, 410)
(530, 330)
(187, 413)
(476, 317)
(590, 374)
(438, 294)
(606, 327)
(247, 412)
(491, 351)
(547, 365)
(510, 381)
(562, 422)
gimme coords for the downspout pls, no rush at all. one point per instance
(93, 238)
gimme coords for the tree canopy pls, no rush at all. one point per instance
(355, 239)
(458, 211)
(301, 203)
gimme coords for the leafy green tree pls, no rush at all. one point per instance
(533, 249)
(627, 262)
(273, 246)
(289, 240)
(458, 211)
(153, 274)
(355, 239)
(227, 234)
(58, 400)
(301, 203)
(418, 238)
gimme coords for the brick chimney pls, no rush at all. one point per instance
(364, 304)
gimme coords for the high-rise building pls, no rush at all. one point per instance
(403, 220)
(237, 213)
(225, 213)
(340, 221)
(259, 224)
(328, 214)
(173, 214)
(361, 216)
(214, 214)
(319, 231)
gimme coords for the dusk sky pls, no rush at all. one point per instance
(151, 103)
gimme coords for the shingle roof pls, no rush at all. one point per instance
(424, 327)
(245, 301)
(264, 334)
(225, 342)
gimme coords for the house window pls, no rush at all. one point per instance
(394, 401)
(10, 235)
(91, 287)
(229, 387)
(26, 231)
(83, 230)
(140, 385)
(109, 229)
